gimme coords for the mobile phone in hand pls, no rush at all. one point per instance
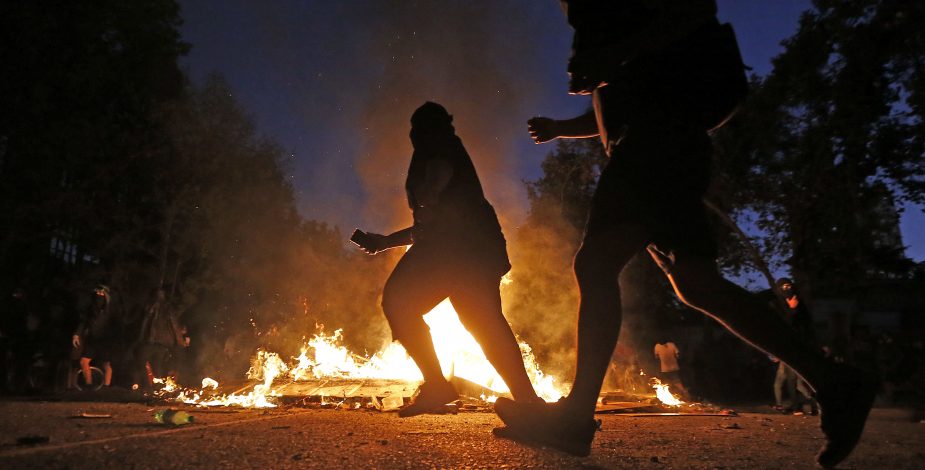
(360, 239)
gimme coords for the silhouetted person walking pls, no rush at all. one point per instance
(457, 251)
(801, 321)
(669, 366)
(662, 74)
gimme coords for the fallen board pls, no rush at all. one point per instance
(348, 388)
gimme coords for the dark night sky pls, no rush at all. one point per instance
(335, 84)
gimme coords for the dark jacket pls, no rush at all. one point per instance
(159, 327)
(464, 224)
(98, 321)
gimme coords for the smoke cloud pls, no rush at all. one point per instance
(344, 78)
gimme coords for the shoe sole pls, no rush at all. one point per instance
(526, 433)
(447, 409)
(510, 433)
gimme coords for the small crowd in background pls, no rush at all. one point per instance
(54, 343)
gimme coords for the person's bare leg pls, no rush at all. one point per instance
(569, 425)
(597, 268)
(407, 296)
(411, 291)
(409, 328)
(845, 395)
(71, 377)
(698, 283)
(107, 373)
(85, 369)
(779, 378)
(479, 309)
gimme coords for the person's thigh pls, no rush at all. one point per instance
(417, 284)
(617, 225)
(781, 375)
(477, 299)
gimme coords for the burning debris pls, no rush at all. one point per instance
(663, 394)
(327, 374)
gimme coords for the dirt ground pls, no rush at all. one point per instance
(323, 438)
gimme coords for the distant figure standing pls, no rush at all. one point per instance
(667, 354)
(97, 335)
(457, 251)
(798, 317)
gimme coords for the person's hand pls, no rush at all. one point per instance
(542, 129)
(75, 341)
(373, 243)
(186, 341)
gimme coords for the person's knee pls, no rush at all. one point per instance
(394, 300)
(595, 265)
(399, 311)
(604, 252)
(695, 281)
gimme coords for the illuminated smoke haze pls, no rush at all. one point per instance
(336, 83)
(353, 72)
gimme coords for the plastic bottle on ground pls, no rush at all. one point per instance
(175, 417)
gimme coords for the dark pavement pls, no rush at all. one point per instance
(324, 438)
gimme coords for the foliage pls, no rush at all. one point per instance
(542, 299)
(139, 180)
(830, 144)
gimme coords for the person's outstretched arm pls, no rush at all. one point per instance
(436, 177)
(372, 243)
(543, 129)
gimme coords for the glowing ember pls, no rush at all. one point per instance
(168, 385)
(662, 393)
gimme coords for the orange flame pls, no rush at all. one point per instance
(324, 356)
(663, 394)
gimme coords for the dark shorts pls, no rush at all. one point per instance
(99, 350)
(656, 180)
(426, 275)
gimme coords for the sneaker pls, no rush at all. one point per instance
(545, 425)
(432, 399)
(844, 403)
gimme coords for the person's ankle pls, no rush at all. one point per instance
(575, 408)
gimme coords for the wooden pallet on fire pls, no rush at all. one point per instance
(348, 388)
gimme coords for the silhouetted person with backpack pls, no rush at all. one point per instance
(457, 251)
(661, 75)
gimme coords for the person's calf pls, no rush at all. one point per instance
(845, 398)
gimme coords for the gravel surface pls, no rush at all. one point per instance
(322, 438)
